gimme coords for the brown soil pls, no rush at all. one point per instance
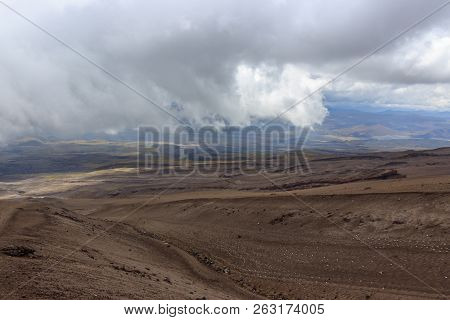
(378, 235)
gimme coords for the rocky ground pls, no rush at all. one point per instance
(372, 226)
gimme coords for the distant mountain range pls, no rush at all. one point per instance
(390, 129)
(344, 129)
(386, 124)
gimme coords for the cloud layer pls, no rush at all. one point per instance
(233, 61)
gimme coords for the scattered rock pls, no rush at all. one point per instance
(18, 251)
(281, 218)
(167, 279)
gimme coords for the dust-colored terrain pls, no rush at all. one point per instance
(367, 226)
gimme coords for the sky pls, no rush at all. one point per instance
(213, 62)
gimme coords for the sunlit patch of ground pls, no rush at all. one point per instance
(48, 184)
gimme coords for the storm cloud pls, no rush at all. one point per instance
(212, 61)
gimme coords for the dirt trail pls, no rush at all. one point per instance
(119, 263)
(341, 246)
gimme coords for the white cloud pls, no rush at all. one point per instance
(235, 59)
(266, 91)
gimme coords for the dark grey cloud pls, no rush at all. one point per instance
(236, 59)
